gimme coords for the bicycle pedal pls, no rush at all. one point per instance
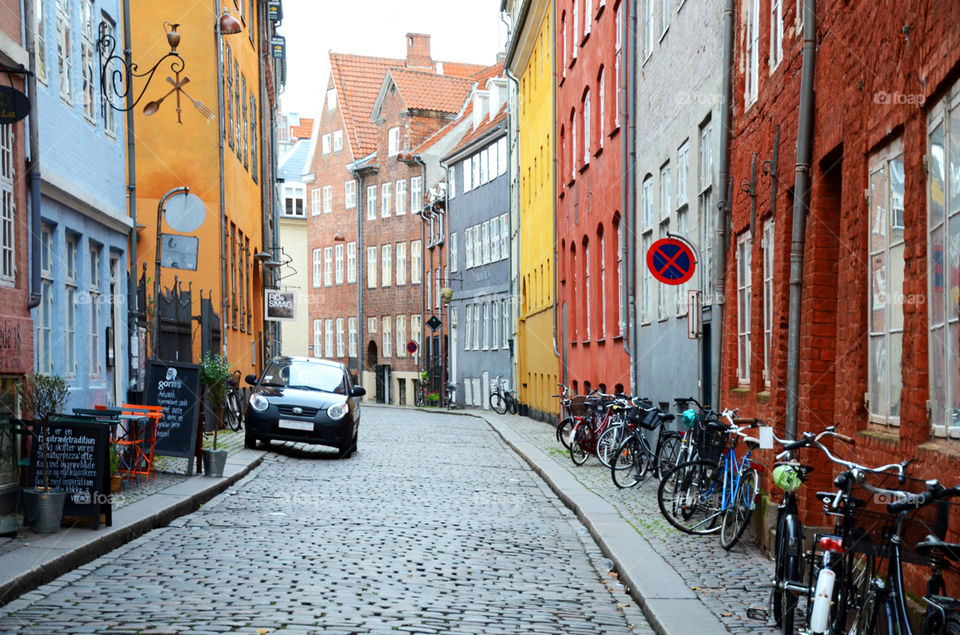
(758, 614)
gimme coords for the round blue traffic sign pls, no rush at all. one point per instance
(671, 261)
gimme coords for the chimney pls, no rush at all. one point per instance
(418, 51)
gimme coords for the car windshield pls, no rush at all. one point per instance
(305, 375)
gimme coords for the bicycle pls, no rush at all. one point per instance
(605, 410)
(451, 394)
(501, 400)
(419, 392)
(232, 409)
(634, 459)
(695, 496)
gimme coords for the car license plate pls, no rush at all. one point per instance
(290, 424)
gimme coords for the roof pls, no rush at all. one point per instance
(358, 79)
(293, 163)
(422, 90)
(481, 130)
(303, 131)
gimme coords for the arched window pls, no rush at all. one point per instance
(618, 272)
(601, 107)
(564, 35)
(585, 295)
(562, 155)
(572, 291)
(602, 260)
(585, 111)
(573, 144)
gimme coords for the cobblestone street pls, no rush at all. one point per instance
(435, 525)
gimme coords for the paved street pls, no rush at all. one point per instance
(433, 526)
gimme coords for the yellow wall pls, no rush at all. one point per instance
(170, 154)
(538, 366)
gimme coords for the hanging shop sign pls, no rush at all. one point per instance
(274, 10)
(281, 306)
(14, 105)
(278, 44)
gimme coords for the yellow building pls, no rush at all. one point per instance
(530, 60)
(178, 144)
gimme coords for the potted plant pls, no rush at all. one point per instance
(214, 373)
(116, 481)
(42, 396)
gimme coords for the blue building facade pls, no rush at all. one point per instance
(478, 255)
(81, 323)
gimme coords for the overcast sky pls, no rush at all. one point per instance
(460, 30)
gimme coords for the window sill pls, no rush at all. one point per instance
(617, 338)
(645, 322)
(583, 168)
(742, 389)
(573, 61)
(586, 36)
(571, 182)
(615, 131)
(598, 151)
(601, 340)
(663, 35)
(599, 12)
(763, 396)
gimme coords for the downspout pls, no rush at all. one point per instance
(360, 211)
(801, 203)
(628, 158)
(30, 18)
(553, 196)
(423, 251)
(514, 137)
(723, 203)
(218, 40)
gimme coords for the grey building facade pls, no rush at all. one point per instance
(478, 244)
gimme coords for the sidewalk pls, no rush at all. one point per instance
(30, 559)
(685, 584)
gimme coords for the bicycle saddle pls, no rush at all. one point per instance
(931, 544)
(716, 426)
(667, 417)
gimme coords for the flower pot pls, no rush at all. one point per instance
(43, 509)
(116, 483)
(213, 462)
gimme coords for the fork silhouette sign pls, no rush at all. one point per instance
(671, 261)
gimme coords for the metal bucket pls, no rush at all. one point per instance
(214, 462)
(43, 510)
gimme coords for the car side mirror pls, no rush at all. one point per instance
(358, 391)
(251, 379)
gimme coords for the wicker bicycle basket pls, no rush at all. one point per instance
(578, 406)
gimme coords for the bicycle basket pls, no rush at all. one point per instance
(578, 406)
(710, 445)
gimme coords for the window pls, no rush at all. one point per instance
(484, 158)
(317, 268)
(293, 200)
(468, 323)
(705, 211)
(616, 70)
(495, 239)
(316, 202)
(647, 203)
(328, 338)
(386, 191)
(401, 336)
(646, 281)
(476, 327)
(665, 193)
(573, 141)
(415, 329)
(475, 162)
(586, 290)
(504, 236)
(44, 325)
(415, 262)
(495, 325)
(372, 324)
(70, 283)
(371, 267)
(649, 24)
(106, 99)
(88, 35)
(338, 143)
(587, 16)
(683, 161)
(352, 337)
(452, 182)
(416, 194)
(752, 53)
(41, 44)
(327, 199)
(683, 228)
(776, 33)
(744, 294)
(401, 263)
(231, 130)
(349, 194)
(468, 246)
(327, 266)
(886, 245)
(338, 255)
(563, 59)
(768, 259)
(602, 106)
(401, 197)
(621, 312)
(254, 146)
(371, 202)
(485, 241)
(340, 341)
(318, 338)
(586, 127)
(325, 143)
(386, 333)
(485, 343)
(386, 264)
(603, 284)
(664, 16)
(332, 99)
(505, 307)
(467, 175)
(351, 263)
(393, 142)
(452, 253)
(64, 45)
(8, 253)
(94, 291)
(478, 243)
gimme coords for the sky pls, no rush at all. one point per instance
(461, 31)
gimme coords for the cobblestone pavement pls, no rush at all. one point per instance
(434, 526)
(728, 582)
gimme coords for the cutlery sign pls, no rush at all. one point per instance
(178, 84)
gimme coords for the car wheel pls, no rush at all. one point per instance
(345, 452)
(249, 441)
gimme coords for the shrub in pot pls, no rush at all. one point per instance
(42, 396)
(214, 373)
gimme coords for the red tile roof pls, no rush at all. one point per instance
(482, 129)
(304, 130)
(456, 69)
(422, 90)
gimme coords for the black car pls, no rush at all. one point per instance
(304, 399)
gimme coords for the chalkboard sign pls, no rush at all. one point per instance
(77, 464)
(175, 387)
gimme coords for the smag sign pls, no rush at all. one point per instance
(280, 305)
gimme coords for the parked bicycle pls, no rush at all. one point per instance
(451, 394)
(419, 392)
(633, 458)
(501, 399)
(232, 409)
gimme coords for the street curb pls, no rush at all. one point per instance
(52, 565)
(666, 600)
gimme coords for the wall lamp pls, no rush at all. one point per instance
(229, 25)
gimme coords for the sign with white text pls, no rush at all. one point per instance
(281, 306)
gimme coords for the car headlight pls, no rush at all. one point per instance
(337, 411)
(258, 402)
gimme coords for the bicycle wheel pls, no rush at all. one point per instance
(581, 444)
(737, 516)
(689, 497)
(564, 428)
(850, 589)
(498, 403)
(629, 464)
(870, 619)
(418, 397)
(609, 442)
(788, 568)
(668, 452)
(233, 416)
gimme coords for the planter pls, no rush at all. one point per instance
(214, 462)
(43, 509)
(116, 483)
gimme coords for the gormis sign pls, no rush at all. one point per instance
(280, 305)
(175, 387)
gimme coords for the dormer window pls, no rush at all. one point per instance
(393, 141)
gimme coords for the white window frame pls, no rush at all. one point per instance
(386, 195)
(325, 143)
(468, 247)
(386, 336)
(744, 257)
(386, 265)
(476, 327)
(327, 199)
(401, 197)
(647, 204)
(504, 236)
(351, 263)
(317, 268)
(452, 254)
(328, 338)
(350, 194)
(338, 264)
(776, 33)
(338, 145)
(328, 266)
(752, 53)
(416, 194)
(332, 99)
(89, 73)
(646, 281)
(416, 248)
(393, 141)
(769, 259)
(318, 338)
(341, 349)
(401, 256)
(71, 266)
(352, 337)
(372, 267)
(64, 53)
(467, 326)
(665, 205)
(401, 328)
(316, 201)
(96, 253)
(371, 202)
(8, 208)
(683, 170)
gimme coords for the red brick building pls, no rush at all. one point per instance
(590, 227)
(878, 323)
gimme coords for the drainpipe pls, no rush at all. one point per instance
(361, 200)
(553, 198)
(723, 203)
(30, 19)
(629, 180)
(218, 41)
(801, 203)
(423, 208)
